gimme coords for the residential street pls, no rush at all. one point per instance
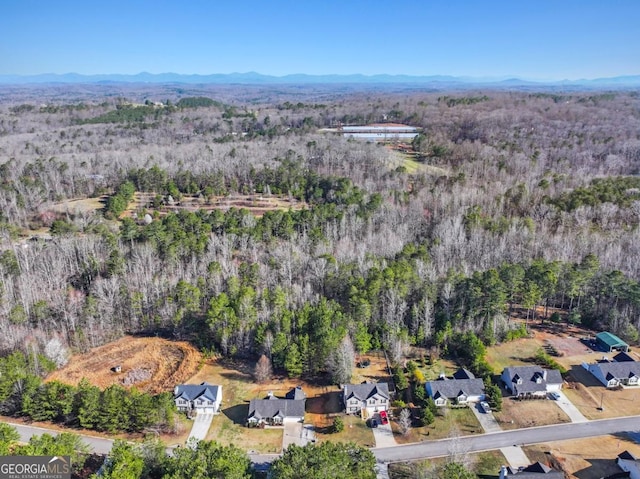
(439, 448)
(497, 440)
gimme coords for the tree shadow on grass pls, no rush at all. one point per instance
(238, 413)
(325, 403)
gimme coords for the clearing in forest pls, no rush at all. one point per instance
(153, 365)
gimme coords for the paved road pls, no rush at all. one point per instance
(429, 449)
(514, 455)
(97, 444)
(497, 440)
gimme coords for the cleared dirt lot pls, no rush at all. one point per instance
(150, 364)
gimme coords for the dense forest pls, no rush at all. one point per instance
(513, 204)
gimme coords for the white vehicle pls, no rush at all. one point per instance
(554, 395)
(485, 406)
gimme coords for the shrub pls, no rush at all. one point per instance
(338, 424)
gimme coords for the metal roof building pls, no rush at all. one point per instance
(610, 342)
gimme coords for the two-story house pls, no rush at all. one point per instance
(463, 388)
(201, 398)
(368, 397)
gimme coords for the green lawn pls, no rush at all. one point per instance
(449, 423)
(355, 430)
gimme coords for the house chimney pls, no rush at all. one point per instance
(503, 472)
(544, 374)
(269, 394)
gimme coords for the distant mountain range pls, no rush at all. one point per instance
(257, 78)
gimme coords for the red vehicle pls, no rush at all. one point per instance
(383, 418)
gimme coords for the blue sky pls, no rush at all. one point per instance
(533, 39)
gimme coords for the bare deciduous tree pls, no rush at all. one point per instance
(404, 421)
(263, 369)
(342, 361)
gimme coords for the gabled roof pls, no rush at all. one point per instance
(611, 340)
(191, 392)
(453, 388)
(533, 378)
(296, 393)
(276, 407)
(463, 374)
(627, 455)
(535, 471)
(622, 358)
(623, 370)
(365, 390)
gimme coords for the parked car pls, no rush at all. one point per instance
(554, 395)
(384, 418)
(484, 405)
(373, 423)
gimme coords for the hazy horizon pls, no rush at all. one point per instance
(545, 41)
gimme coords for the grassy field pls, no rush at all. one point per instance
(448, 423)
(484, 464)
(355, 430)
(513, 353)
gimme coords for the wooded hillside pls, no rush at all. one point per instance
(513, 201)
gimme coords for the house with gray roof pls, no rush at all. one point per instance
(368, 398)
(201, 398)
(629, 463)
(613, 373)
(462, 388)
(537, 470)
(528, 381)
(274, 411)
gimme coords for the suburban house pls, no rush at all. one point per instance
(274, 411)
(533, 471)
(629, 463)
(530, 381)
(201, 398)
(608, 342)
(366, 397)
(615, 373)
(463, 388)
